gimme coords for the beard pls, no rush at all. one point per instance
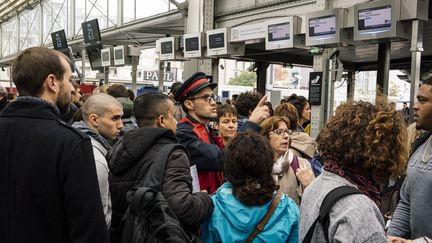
(63, 100)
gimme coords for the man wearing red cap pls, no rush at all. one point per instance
(198, 101)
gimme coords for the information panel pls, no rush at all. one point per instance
(166, 47)
(217, 40)
(315, 88)
(323, 25)
(279, 32)
(374, 18)
(192, 44)
(91, 31)
(59, 40)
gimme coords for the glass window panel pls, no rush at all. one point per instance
(29, 28)
(97, 9)
(79, 15)
(128, 10)
(9, 37)
(143, 9)
(112, 13)
(55, 17)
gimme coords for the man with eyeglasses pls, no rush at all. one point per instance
(198, 101)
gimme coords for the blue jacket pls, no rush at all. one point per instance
(231, 221)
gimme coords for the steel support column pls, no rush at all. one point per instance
(135, 61)
(351, 85)
(416, 51)
(161, 75)
(383, 69)
(261, 76)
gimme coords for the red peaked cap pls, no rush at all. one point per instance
(193, 85)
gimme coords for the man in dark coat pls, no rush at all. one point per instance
(131, 155)
(48, 177)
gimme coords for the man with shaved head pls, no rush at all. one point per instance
(102, 115)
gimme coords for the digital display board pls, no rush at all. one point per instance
(323, 25)
(166, 47)
(216, 40)
(91, 31)
(118, 54)
(373, 18)
(59, 40)
(105, 56)
(192, 44)
(279, 32)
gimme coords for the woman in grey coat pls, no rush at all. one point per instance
(362, 146)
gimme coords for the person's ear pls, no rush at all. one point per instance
(189, 105)
(160, 121)
(94, 120)
(51, 84)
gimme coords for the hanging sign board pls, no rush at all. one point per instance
(315, 88)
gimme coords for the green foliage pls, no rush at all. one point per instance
(244, 79)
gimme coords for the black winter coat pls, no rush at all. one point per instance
(128, 160)
(48, 183)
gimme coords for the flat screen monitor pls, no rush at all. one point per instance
(59, 40)
(216, 40)
(91, 31)
(118, 54)
(323, 25)
(166, 47)
(192, 44)
(375, 18)
(94, 55)
(105, 56)
(279, 32)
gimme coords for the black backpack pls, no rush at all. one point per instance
(329, 200)
(149, 218)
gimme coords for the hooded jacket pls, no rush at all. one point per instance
(100, 149)
(231, 221)
(128, 163)
(303, 145)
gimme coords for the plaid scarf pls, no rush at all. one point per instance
(356, 175)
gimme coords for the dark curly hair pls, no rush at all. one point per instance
(366, 136)
(247, 102)
(299, 102)
(248, 166)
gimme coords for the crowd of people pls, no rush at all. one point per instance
(73, 166)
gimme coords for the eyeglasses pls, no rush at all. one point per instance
(207, 98)
(281, 132)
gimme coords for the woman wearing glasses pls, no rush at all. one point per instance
(293, 174)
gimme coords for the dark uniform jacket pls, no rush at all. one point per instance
(128, 160)
(206, 150)
(48, 184)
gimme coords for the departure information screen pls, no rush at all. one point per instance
(374, 18)
(217, 40)
(166, 47)
(105, 57)
(323, 25)
(118, 54)
(192, 44)
(278, 32)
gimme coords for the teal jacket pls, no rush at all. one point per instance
(231, 221)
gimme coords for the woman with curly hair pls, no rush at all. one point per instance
(291, 173)
(362, 146)
(242, 201)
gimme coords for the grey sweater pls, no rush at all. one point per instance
(354, 218)
(414, 212)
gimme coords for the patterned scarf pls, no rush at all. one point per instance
(356, 175)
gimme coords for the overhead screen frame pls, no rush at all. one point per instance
(395, 30)
(290, 24)
(106, 59)
(192, 45)
(119, 54)
(165, 52)
(338, 36)
(217, 42)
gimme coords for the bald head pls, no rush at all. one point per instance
(99, 104)
(102, 113)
